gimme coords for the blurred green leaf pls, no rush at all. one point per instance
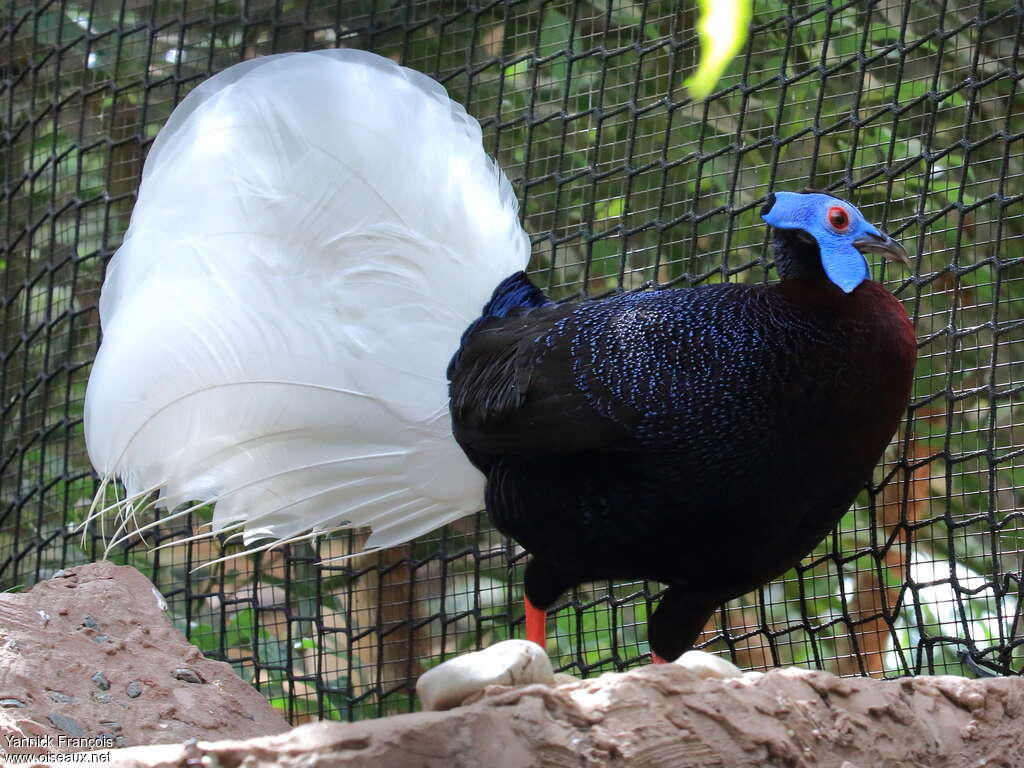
(723, 29)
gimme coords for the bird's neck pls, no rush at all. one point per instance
(797, 256)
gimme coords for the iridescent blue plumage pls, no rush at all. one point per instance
(706, 438)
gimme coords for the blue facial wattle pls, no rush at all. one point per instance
(843, 263)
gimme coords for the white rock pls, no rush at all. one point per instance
(707, 665)
(510, 662)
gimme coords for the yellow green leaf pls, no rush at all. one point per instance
(723, 28)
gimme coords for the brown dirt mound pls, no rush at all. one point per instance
(663, 717)
(88, 658)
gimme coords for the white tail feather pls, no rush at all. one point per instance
(312, 235)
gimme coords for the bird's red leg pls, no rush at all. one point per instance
(536, 621)
(656, 659)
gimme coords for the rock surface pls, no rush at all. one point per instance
(510, 662)
(663, 716)
(89, 658)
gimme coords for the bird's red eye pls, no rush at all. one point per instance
(838, 217)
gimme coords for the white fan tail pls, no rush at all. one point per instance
(313, 233)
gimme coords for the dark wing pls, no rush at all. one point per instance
(512, 393)
(638, 370)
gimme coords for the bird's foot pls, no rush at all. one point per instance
(536, 624)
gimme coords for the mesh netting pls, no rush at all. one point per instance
(909, 109)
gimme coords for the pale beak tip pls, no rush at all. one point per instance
(885, 246)
(900, 256)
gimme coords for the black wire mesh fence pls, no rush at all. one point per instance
(910, 109)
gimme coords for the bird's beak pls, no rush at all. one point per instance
(883, 245)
